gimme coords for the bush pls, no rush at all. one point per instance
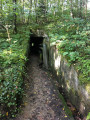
(76, 50)
(73, 43)
(12, 62)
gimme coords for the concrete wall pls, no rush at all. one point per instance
(68, 78)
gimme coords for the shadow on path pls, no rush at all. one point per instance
(41, 101)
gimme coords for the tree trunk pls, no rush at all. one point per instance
(62, 6)
(23, 13)
(15, 16)
(80, 9)
(30, 10)
(77, 9)
(1, 5)
(72, 9)
(86, 8)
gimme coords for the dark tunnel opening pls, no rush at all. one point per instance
(36, 45)
(36, 48)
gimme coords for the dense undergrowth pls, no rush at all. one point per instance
(13, 54)
(73, 41)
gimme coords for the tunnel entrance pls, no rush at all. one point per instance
(36, 48)
(36, 45)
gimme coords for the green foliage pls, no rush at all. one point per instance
(73, 43)
(88, 116)
(12, 62)
(76, 49)
(63, 21)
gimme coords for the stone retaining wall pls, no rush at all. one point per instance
(68, 78)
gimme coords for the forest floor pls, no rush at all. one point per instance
(41, 101)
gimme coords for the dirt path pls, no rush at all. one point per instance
(42, 101)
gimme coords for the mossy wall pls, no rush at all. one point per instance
(68, 79)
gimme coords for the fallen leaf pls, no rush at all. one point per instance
(65, 116)
(6, 113)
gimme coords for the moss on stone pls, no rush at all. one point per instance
(88, 116)
(72, 90)
(68, 85)
(88, 88)
(82, 79)
(67, 110)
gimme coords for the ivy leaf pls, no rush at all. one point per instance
(65, 53)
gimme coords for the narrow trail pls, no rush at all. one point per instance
(41, 101)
